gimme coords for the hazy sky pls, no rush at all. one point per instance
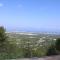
(30, 14)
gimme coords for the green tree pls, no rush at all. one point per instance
(51, 51)
(58, 44)
(3, 39)
(2, 35)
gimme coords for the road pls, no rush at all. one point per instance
(45, 58)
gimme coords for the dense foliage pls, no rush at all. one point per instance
(58, 44)
(54, 49)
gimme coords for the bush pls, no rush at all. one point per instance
(58, 44)
(51, 51)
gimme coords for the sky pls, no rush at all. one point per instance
(31, 15)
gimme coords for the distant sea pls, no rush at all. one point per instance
(34, 30)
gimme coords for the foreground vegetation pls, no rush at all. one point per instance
(15, 45)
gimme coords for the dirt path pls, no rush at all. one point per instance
(45, 58)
